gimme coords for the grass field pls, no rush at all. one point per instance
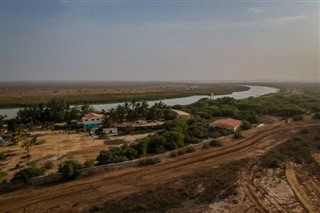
(27, 94)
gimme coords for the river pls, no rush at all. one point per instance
(254, 91)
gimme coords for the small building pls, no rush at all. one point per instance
(111, 131)
(228, 123)
(179, 114)
(92, 120)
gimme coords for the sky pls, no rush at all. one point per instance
(169, 40)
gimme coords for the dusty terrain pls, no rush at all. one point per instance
(266, 194)
(58, 146)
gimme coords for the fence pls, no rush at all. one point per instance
(42, 180)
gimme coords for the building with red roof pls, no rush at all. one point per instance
(228, 123)
(92, 120)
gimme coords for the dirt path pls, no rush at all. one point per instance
(298, 190)
(80, 194)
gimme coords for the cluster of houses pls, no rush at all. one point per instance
(92, 121)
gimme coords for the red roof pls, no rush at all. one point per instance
(227, 122)
(91, 114)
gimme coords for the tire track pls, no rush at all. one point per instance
(163, 170)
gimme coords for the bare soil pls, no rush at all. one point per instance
(58, 147)
(268, 194)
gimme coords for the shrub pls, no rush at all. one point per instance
(246, 125)
(215, 143)
(173, 154)
(238, 135)
(2, 175)
(298, 117)
(28, 173)
(117, 155)
(70, 169)
(48, 165)
(181, 151)
(189, 149)
(150, 161)
(89, 164)
(2, 156)
(205, 146)
(316, 116)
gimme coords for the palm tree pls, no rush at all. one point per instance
(144, 108)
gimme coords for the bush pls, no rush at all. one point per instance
(238, 135)
(298, 117)
(150, 161)
(181, 151)
(2, 175)
(89, 164)
(28, 173)
(205, 146)
(173, 154)
(116, 155)
(215, 143)
(189, 149)
(70, 169)
(48, 165)
(246, 125)
(2, 156)
(316, 116)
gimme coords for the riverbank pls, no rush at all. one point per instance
(28, 96)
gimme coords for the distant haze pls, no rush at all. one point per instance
(159, 41)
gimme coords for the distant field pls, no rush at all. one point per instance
(27, 94)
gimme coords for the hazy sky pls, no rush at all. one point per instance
(159, 40)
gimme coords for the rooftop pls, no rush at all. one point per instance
(179, 112)
(227, 122)
(91, 114)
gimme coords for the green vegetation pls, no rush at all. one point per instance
(215, 143)
(89, 163)
(177, 134)
(28, 173)
(87, 98)
(246, 125)
(286, 103)
(27, 144)
(182, 151)
(2, 175)
(48, 165)
(150, 161)
(238, 135)
(70, 169)
(2, 156)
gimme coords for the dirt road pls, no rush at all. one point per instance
(78, 195)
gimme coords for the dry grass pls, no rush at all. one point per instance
(58, 147)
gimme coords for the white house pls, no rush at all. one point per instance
(91, 120)
(111, 131)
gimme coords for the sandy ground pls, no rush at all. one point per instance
(79, 195)
(58, 147)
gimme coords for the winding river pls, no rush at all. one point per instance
(254, 91)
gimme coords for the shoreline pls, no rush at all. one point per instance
(92, 99)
